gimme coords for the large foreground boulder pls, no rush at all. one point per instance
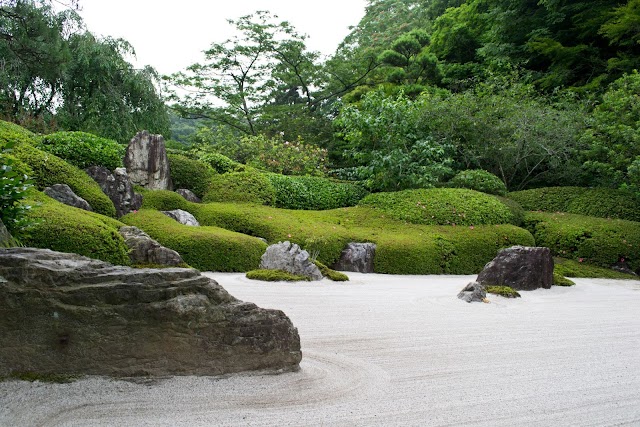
(519, 267)
(118, 187)
(144, 250)
(291, 258)
(67, 314)
(147, 162)
(64, 194)
(356, 257)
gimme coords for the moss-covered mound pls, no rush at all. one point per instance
(83, 149)
(479, 180)
(48, 169)
(441, 206)
(220, 163)
(503, 291)
(249, 186)
(571, 268)
(204, 248)
(10, 132)
(330, 274)
(275, 276)
(598, 241)
(191, 174)
(314, 193)
(560, 280)
(598, 202)
(67, 229)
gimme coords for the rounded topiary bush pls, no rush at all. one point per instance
(48, 169)
(83, 149)
(64, 228)
(479, 180)
(441, 206)
(250, 186)
(164, 200)
(191, 174)
(220, 163)
(204, 248)
(314, 193)
(597, 202)
(598, 241)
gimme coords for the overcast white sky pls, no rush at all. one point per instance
(170, 35)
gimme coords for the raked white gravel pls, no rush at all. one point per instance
(393, 351)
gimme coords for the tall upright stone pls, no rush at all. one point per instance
(147, 163)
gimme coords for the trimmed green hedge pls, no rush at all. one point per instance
(191, 174)
(48, 169)
(67, 229)
(250, 186)
(598, 241)
(598, 202)
(479, 180)
(314, 193)
(83, 149)
(204, 248)
(441, 206)
(220, 163)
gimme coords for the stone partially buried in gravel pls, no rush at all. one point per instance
(519, 267)
(67, 314)
(473, 292)
(357, 257)
(289, 257)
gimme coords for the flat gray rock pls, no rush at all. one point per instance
(67, 314)
(183, 217)
(64, 194)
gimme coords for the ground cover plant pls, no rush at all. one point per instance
(275, 276)
(571, 268)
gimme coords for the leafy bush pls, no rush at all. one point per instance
(275, 276)
(598, 241)
(64, 228)
(204, 248)
(219, 162)
(287, 157)
(479, 180)
(11, 132)
(48, 169)
(163, 200)
(83, 149)
(314, 193)
(251, 187)
(14, 186)
(598, 202)
(191, 174)
(442, 206)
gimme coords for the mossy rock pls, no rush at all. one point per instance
(598, 241)
(441, 206)
(560, 280)
(571, 268)
(48, 169)
(63, 228)
(314, 193)
(204, 248)
(191, 174)
(597, 202)
(275, 276)
(503, 291)
(252, 187)
(330, 274)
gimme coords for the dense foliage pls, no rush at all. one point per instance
(83, 149)
(191, 174)
(479, 180)
(250, 186)
(14, 187)
(314, 193)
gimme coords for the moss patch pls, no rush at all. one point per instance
(503, 291)
(560, 280)
(275, 276)
(330, 274)
(571, 268)
(45, 378)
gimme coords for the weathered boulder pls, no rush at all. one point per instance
(118, 187)
(356, 257)
(146, 251)
(473, 292)
(519, 267)
(64, 194)
(188, 195)
(291, 258)
(147, 163)
(6, 240)
(183, 217)
(67, 314)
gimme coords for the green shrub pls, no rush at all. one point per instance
(219, 162)
(14, 134)
(48, 169)
(598, 202)
(64, 228)
(560, 280)
(479, 180)
(598, 241)
(517, 211)
(314, 193)
(191, 174)
(250, 187)
(275, 276)
(503, 291)
(571, 268)
(441, 206)
(204, 248)
(330, 274)
(83, 149)
(163, 200)
(14, 187)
